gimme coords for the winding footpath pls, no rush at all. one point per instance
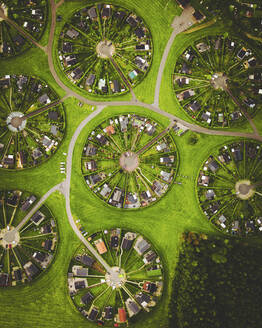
(178, 26)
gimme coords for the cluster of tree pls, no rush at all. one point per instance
(217, 284)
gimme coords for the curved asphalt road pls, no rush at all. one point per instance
(64, 187)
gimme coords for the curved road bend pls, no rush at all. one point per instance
(66, 188)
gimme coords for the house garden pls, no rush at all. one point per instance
(124, 293)
(27, 239)
(229, 188)
(218, 81)
(130, 161)
(105, 49)
(29, 16)
(32, 121)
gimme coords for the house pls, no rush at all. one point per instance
(79, 271)
(9, 160)
(18, 40)
(132, 201)
(106, 11)
(44, 99)
(183, 3)
(92, 13)
(13, 198)
(37, 218)
(73, 34)
(128, 240)
(166, 176)
(115, 238)
(109, 130)
(158, 187)
(242, 53)
(90, 80)
(105, 192)
(123, 123)
(213, 166)
(54, 130)
(70, 60)
(30, 269)
(210, 194)
(92, 166)
(53, 115)
(86, 260)
(18, 275)
(132, 307)
(47, 245)
(139, 32)
(116, 86)
(237, 154)
(149, 257)
(109, 313)
(198, 15)
(5, 82)
(100, 245)
(195, 106)
(36, 153)
(150, 287)
(141, 63)
(27, 203)
(90, 150)
(87, 298)
(80, 283)
(206, 117)
(93, 313)
(167, 160)
(182, 81)
(119, 15)
(43, 259)
(143, 299)
(93, 179)
(67, 47)
(202, 47)
(4, 279)
(46, 229)
(76, 74)
(141, 245)
(121, 316)
(101, 139)
(162, 147)
(131, 21)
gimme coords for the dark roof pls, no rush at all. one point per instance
(19, 40)
(116, 86)
(141, 297)
(80, 284)
(131, 21)
(93, 314)
(90, 79)
(37, 217)
(92, 12)
(87, 298)
(127, 244)
(67, 47)
(198, 16)
(106, 12)
(4, 279)
(114, 241)
(86, 260)
(47, 228)
(32, 270)
(139, 32)
(213, 166)
(18, 274)
(119, 15)
(40, 256)
(48, 244)
(183, 3)
(109, 313)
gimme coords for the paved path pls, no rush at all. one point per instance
(39, 203)
(21, 31)
(178, 25)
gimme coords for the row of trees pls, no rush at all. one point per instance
(218, 283)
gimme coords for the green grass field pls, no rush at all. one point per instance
(46, 303)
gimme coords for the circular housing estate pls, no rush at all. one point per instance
(32, 122)
(218, 81)
(130, 161)
(105, 49)
(27, 240)
(230, 188)
(17, 18)
(116, 281)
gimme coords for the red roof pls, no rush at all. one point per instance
(122, 315)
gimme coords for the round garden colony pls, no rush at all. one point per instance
(27, 240)
(129, 161)
(218, 81)
(105, 49)
(119, 279)
(32, 122)
(230, 188)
